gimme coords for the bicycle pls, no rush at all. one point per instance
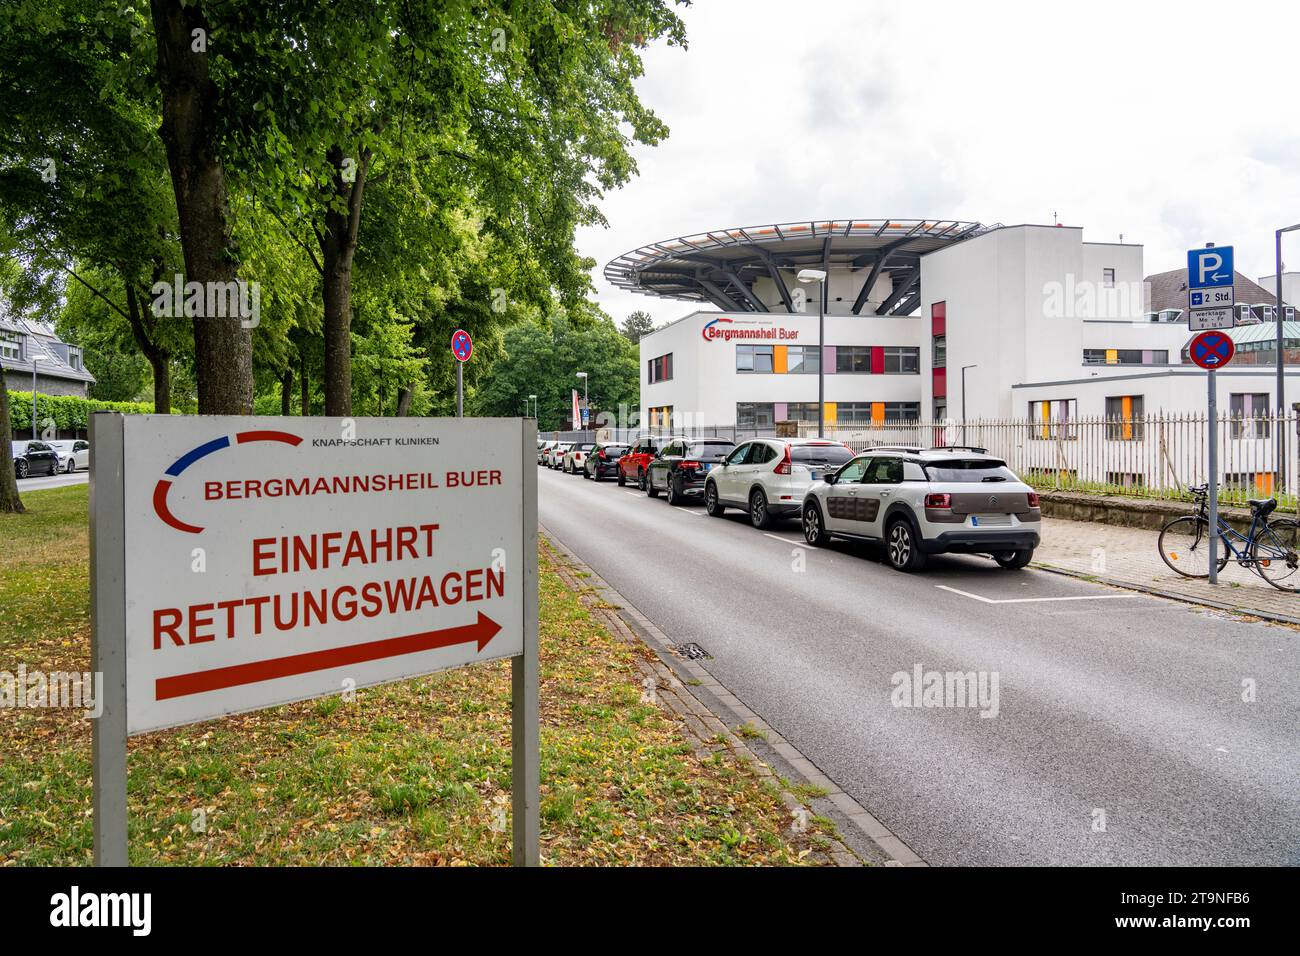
(1269, 548)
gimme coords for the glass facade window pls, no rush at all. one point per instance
(1249, 414)
(11, 345)
(903, 411)
(754, 358)
(902, 360)
(940, 351)
(661, 368)
(1052, 418)
(802, 360)
(755, 414)
(853, 413)
(1123, 418)
(853, 358)
(661, 416)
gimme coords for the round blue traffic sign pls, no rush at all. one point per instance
(1211, 350)
(462, 346)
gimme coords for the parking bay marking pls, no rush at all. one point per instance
(1082, 597)
(797, 544)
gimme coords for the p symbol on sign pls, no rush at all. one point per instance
(1209, 264)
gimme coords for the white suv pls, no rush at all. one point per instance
(922, 502)
(768, 477)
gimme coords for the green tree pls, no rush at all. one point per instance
(542, 358)
(636, 325)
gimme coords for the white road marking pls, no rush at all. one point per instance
(797, 544)
(1085, 597)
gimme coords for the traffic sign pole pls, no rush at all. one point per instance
(460, 390)
(1214, 478)
(525, 743)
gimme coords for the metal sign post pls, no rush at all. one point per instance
(1214, 478)
(305, 540)
(462, 347)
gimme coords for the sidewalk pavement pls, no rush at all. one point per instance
(1128, 557)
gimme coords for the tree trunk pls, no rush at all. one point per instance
(10, 503)
(286, 392)
(160, 359)
(404, 402)
(304, 384)
(338, 244)
(223, 349)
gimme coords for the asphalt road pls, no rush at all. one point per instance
(53, 481)
(1113, 708)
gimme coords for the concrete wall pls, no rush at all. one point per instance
(45, 384)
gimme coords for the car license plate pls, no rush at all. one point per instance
(815, 475)
(990, 521)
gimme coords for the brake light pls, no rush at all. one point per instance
(784, 468)
(938, 501)
(1033, 499)
(689, 465)
(601, 454)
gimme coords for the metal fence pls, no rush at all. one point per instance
(1150, 456)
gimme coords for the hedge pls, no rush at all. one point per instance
(70, 412)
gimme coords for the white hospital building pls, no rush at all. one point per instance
(929, 320)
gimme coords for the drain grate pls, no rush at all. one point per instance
(691, 651)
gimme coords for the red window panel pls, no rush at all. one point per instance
(939, 318)
(877, 360)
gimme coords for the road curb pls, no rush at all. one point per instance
(1169, 595)
(864, 834)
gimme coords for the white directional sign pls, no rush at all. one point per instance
(267, 560)
(1203, 320)
(1216, 298)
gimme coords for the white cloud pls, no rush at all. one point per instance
(1168, 122)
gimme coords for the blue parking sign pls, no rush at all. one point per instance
(1209, 268)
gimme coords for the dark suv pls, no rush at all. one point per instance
(35, 458)
(680, 468)
(602, 462)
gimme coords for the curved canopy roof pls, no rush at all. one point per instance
(721, 266)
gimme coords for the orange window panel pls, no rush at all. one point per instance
(779, 359)
(877, 413)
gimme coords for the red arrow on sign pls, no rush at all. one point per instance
(182, 685)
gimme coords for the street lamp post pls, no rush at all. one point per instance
(35, 359)
(819, 276)
(963, 400)
(533, 399)
(1281, 360)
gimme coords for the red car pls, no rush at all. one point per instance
(636, 460)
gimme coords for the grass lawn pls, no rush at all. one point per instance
(416, 773)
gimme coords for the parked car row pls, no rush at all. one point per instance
(915, 501)
(33, 457)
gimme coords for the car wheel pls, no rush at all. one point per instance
(72, 466)
(712, 506)
(758, 515)
(673, 496)
(814, 528)
(649, 482)
(640, 480)
(902, 550)
(21, 468)
(622, 481)
(1014, 560)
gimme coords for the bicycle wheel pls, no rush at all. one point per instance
(1185, 547)
(1276, 554)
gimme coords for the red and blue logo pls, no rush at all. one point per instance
(198, 454)
(709, 332)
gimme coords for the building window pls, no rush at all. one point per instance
(11, 345)
(1053, 418)
(74, 358)
(801, 412)
(802, 360)
(1108, 278)
(755, 414)
(902, 360)
(940, 409)
(1124, 418)
(853, 358)
(1125, 356)
(853, 413)
(661, 368)
(940, 351)
(661, 416)
(903, 411)
(1249, 414)
(754, 358)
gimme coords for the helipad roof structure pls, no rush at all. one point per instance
(721, 266)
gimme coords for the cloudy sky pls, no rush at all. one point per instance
(1172, 123)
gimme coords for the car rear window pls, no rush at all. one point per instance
(615, 450)
(709, 450)
(973, 470)
(834, 455)
(586, 446)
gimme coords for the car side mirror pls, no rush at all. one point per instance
(831, 478)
